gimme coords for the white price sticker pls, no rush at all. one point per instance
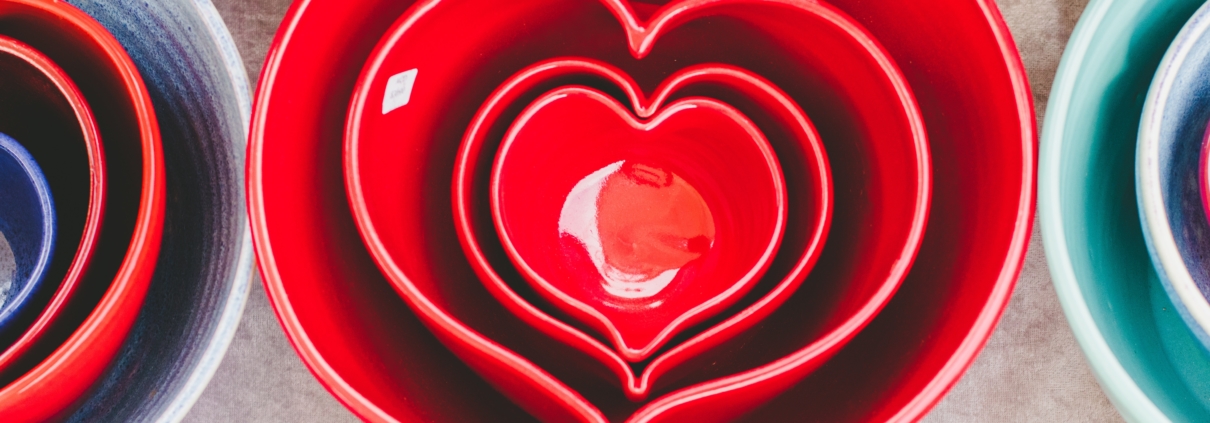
(399, 90)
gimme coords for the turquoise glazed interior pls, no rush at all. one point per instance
(1168, 172)
(1146, 359)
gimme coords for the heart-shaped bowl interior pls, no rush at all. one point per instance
(792, 136)
(39, 102)
(201, 281)
(81, 346)
(1148, 361)
(963, 69)
(637, 228)
(1167, 176)
(851, 84)
(27, 224)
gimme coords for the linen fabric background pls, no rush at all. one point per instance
(1032, 370)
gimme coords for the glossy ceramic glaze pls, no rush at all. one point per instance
(1147, 360)
(791, 134)
(200, 285)
(39, 102)
(27, 223)
(81, 346)
(1203, 177)
(838, 65)
(962, 65)
(1167, 172)
(638, 226)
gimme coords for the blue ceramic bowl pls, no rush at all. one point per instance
(27, 225)
(1148, 361)
(1168, 173)
(199, 88)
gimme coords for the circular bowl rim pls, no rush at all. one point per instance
(28, 397)
(37, 180)
(96, 203)
(1161, 242)
(1119, 386)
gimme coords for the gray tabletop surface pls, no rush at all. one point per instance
(1031, 370)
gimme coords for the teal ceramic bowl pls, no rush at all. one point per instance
(1149, 363)
(1168, 172)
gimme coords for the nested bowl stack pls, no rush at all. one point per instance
(903, 134)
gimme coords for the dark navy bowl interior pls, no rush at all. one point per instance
(203, 272)
(1182, 130)
(27, 222)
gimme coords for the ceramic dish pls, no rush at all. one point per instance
(108, 301)
(851, 82)
(1147, 360)
(962, 66)
(794, 138)
(201, 283)
(1167, 173)
(27, 224)
(59, 129)
(647, 224)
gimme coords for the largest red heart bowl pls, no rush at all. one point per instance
(109, 299)
(877, 143)
(360, 339)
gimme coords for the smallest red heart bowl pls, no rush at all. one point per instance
(637, 226)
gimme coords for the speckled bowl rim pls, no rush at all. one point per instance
(213, 351)
(233, 310)
(242, 282)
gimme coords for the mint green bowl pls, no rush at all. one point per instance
(1146, 359)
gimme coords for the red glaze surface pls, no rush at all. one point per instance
(82, 217)
(1204, 173)
(638, 228)
(792, 136)
(973, 93)
(844, 73)
(108, 300)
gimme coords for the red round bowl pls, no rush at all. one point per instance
(39, 101)
(364, 344)
(793, 138)
(299, 219)
(109, 298)
(818, 56)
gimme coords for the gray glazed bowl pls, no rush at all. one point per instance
(199, 88)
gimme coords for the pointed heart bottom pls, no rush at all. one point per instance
(637, 228)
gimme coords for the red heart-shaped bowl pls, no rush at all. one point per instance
(394, 159)
(807, 176)
(41, 104)
(638, 226)
(79, 347)
(364, 344)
